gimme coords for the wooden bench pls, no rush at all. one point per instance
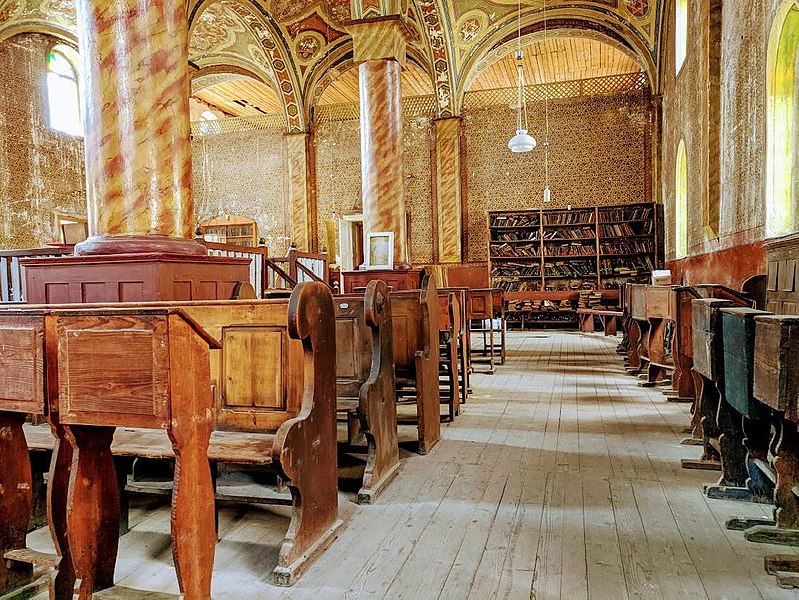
(270, 413)
(414, 318)
(449, 350)
(464, 339)
(365, 386)
(608, 318)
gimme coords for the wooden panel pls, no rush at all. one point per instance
(345, 88)
(637, 293)
(252, 368)
(22, 366)
(241, 97)
(776, 381)
(346, 348)
(660, 302)
(787, 275)
(112, 371)
(738, 342)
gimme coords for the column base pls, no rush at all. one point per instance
(139, 244)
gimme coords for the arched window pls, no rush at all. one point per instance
(782, 181)
(681, 33)
(63, 96)
(681, 203)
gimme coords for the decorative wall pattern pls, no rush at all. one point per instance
(598, 155)
(338, 178)
(41, 172)
(224, 183)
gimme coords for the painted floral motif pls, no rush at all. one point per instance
(637, 8)
(216, 29)
(8, 11)
(307, 47)
(62, 11)
(469, 30)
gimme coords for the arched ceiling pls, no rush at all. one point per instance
(237, 95)
(344, 88)
(293, 43)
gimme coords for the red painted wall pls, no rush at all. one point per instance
(730, 267)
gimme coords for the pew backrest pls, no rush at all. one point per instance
(415, 318)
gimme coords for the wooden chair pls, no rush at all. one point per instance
(414, 317)
(365, 386)
(481, 315)
(464, 340)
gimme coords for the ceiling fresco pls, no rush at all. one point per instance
(295, 45)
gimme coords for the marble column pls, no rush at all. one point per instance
(136, 119)
(448, 185)
(300, 190)
(380, 50)
(382, 154)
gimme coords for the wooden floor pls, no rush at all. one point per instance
(561, 480)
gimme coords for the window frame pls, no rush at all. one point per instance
(71, 57)
(680, 34)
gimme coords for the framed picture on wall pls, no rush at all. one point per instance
(380, 250)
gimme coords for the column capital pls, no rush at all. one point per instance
(379, 38)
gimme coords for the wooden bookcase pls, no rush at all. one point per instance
(232, 230)
(544, 259)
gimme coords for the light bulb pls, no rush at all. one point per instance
(547, 195)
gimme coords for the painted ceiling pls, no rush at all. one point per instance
(299, 47)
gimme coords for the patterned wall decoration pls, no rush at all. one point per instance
(41, 171)
(338, 178)
(598, 155)
(224, 184)
(441, 48)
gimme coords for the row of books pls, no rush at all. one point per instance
(505, 250)
(627, 247)
(626, 266)
(519, 220)
(517, 286)
(513, 236)
(625, 213)
(625, 229)
(572, 217)
(571, 249)
(513, 270)
(572, 268)
(578, 233)
(543, 306)
(570, 285)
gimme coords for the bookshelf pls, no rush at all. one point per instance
(551, 262)
(237, 231)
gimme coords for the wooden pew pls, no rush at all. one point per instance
(638, 328)
(274, 414)
(23, 393)
(744, 424)
(449, 328)
(776, 386)
(365, 386)
(414, 317)
(708, 371)
(465, 339)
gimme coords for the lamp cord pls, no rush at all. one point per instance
(546, 110)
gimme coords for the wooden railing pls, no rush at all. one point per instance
(298, 267)
(259, 261)
(12, 273)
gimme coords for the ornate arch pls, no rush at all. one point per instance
(58, 21)
(571, 20)
(269, 35)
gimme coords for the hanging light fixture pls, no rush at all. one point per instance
(547, 191)
(522, 141)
